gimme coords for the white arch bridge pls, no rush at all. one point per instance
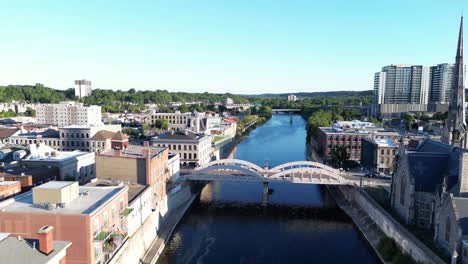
(294, 172)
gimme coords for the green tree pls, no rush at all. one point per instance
(318, 119)
(409, 120)
(184, 109)
(162, 124)
(30, 112)
(339, 155)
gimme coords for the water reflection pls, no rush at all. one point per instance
(301, 223)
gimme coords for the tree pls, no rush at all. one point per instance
(409, 119)
(184, 109)
(339, 155)
(30, 112)
(318, 119)
(162, 124)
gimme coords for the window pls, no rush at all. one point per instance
(96, 250)
(121, 204)
(106, 219)
(447, 229)
(96, 226)
(114, 213)
(402, 190)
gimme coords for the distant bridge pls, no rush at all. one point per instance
(286, 110)
(307, 172)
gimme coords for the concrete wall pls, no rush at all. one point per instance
(390, 226)
(141, 241)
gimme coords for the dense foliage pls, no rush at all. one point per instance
(33, 93)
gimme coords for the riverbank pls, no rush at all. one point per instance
(375, 224)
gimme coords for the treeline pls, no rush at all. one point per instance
(321, 111)
(33, 94)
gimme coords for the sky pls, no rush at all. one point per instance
(242, 46)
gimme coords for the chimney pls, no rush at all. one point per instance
(46, 241)
(146, 144)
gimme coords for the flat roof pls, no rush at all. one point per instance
(59, 156)
(134, 189)
(136, 152)
(385, 142)
(83, 204)
(56, 185)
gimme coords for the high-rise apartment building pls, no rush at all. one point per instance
(441, 83)
(68, 113)
(402, 84)
(82, 88)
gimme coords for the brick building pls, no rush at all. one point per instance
(86, 216)
(9, 188)
(143, 165)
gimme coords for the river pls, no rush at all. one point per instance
(301, 224)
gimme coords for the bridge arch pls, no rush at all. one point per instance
(304, 164)
(232, 162)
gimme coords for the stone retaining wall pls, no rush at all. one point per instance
(392, 228)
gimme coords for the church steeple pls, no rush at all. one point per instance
(455, 127)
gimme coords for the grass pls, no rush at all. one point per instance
(218, 138)
(126, 211)
(102, 235)
(390, 252)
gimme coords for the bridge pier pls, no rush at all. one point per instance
(265, 194)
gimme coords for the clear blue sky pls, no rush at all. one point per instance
(221, 46)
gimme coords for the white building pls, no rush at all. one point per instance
(181, 121)
(292, 98)
(83, 88)
(193, 149)
(173, 164)
(93, 138)
(71, 164)
(68, 113)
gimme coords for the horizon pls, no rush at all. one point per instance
(241, 48)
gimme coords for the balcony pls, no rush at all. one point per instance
(125, 212)
(102, 236)
(110, 242)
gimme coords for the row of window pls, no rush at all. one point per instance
(179, 147)
(73, 135)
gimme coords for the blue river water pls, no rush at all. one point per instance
(301, 224)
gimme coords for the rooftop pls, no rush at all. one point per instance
(134, 151)
(7, 132)
(38, 172)
(383, 142)
(49, 133)
(56, 156)
(102, 135)
(56, 185)
(179, 136)
(22, 251)
(134, 189)
(90, 199)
